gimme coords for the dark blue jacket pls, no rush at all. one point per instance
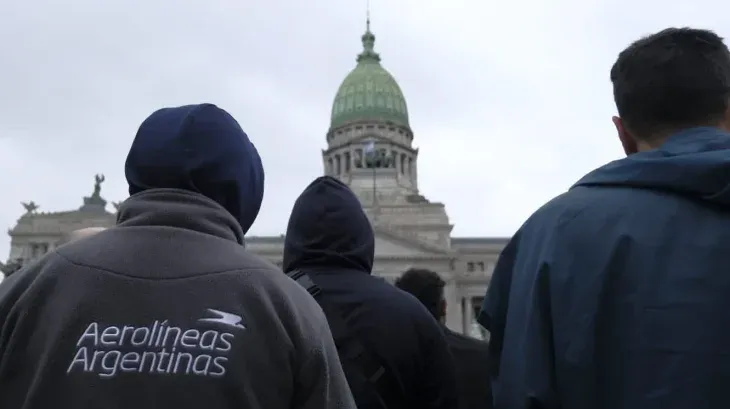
(471, 358)
(330, 237)
(616, 294)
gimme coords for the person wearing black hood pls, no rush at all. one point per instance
(167, 309)
(616, 294)
(330, 239)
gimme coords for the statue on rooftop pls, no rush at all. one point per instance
(99, 178)
(30, 207)
(10, 268)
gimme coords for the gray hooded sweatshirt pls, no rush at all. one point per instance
(165, 310)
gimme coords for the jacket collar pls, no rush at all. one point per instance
(180, 209)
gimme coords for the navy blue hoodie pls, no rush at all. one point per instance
(330, 237)
(198, 148)
(167, 309)
(616, 294)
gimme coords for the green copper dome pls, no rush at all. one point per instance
(369, 92)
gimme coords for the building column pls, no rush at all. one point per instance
(468, 315)
(454, 316)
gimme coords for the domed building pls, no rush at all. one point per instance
(370, 148)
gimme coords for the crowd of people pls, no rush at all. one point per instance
(614, 295)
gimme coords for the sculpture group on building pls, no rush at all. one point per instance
(52, 225)
(98, 180)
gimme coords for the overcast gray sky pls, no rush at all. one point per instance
(510, 101)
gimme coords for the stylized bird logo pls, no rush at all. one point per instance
(225, 318)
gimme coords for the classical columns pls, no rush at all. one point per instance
(454, 316)
(468, 306)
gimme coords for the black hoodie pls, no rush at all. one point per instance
(330, 237)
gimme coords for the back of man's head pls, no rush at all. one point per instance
(675, 79)
(428, 287)
(79, 234)
(202, 149)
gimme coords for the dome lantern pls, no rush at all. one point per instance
(369, 92)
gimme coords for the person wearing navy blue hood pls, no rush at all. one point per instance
(167, 309)
(330, 238)
(616, 294)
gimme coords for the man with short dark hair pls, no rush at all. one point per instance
(470, 355)
(615, 294)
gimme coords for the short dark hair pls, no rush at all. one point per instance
(425, 285)
(674, 79)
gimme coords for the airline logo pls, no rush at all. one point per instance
(225, 318)
(159, 348)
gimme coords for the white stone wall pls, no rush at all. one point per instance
(36, 234)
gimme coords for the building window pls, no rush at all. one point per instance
(38, 249)
(470, 267)
(481, 265)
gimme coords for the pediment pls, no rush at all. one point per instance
(388, 245)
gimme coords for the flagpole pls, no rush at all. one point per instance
(371, 155)
(375, 187)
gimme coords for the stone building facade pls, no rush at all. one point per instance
(370, 148)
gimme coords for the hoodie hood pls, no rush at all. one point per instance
(693, 163)
(201, 149)
(328, 229)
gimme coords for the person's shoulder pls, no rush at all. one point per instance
(398, 302)
(583, 211)
(31, 278)
(578, 203)
(397, 308)
(564, 207)
(271, 277)
(465, 342)
(184, 254)
(291, 303)
(256, 262)
(42, 267)
(411, 310)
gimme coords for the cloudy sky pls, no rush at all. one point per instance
(510, 102)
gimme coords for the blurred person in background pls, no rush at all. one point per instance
(470, 355)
